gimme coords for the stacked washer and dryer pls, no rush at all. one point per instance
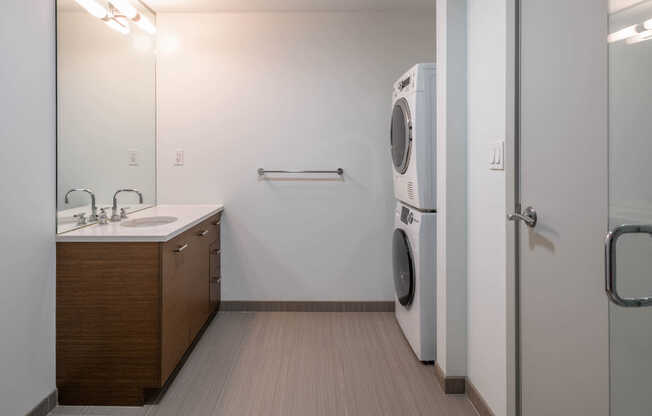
(414, 240)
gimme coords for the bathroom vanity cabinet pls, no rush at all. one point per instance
(128, 312)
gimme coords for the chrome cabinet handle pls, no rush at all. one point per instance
(610, 265)
(529, 217)
(181, 248)
(203, 233)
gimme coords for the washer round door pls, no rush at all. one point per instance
(401, 135)
(403, 268)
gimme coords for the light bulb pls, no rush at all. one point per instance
(622, 34)
(125, 7)
(93, 8)
(115, 25)
(145, 24)
(641, 37)
(648, 24)
(122, 20)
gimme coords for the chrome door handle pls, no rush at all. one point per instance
(529, 217)
(610, 265)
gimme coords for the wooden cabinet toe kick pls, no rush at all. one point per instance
(128, 313)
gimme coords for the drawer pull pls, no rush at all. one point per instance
(215, 251)
(216, 279)
(181, 248)
(217, 222)
(203, 233)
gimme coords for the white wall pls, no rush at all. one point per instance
(289, 91)
(27, 182)
(451, 187)
(486, 238)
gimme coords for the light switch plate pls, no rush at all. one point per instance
(132, 157)
(178, 160)
(497, 155)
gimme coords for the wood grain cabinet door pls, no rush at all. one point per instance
(217, 223)
(199, 277)
(176, 260)
(216, 275)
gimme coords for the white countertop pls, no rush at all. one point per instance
(188, 216)
(66, 222)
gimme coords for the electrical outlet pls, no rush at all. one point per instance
(132, 157)
(178, 160)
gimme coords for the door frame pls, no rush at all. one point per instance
(512, 204)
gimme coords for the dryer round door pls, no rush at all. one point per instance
(401, 135)
(403, 268)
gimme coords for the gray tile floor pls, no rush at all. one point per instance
(293, 363)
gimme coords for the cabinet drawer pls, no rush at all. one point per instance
(218, 226)
(216, 223)
(206, 231)
(216, 263)
(215, 293)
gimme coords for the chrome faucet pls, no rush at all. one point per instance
(115, 217)
(93, 216)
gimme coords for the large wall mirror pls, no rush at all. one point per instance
(106, 108)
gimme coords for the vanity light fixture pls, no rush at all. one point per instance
(648, 24)
(93, 8)
(116, 21)
(125, 7)
(144, 23)
(116, 25)
(641, 37)
(623, 34)
(129, 11)
(118, 15)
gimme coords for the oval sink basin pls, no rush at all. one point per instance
(148, 221)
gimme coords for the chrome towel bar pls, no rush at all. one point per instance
(262, 172)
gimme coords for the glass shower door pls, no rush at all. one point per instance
(629, 247)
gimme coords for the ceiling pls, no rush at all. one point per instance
(616, 5)
(71, 5)
(301, 5)
(286, 5)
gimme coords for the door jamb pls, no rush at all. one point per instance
(512, 203)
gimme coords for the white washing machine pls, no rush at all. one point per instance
(413, 256)
(412, 137)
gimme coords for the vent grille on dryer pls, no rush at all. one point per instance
(410, 190)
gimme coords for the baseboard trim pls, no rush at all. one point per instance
(450, 385)
(45, 406)
(461, 385)
(477, 400)
(307, 306)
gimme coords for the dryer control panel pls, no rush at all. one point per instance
(407, 83)
(407, 217)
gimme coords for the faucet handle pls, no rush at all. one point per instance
(123, 212)
(103, 218)
(81, 218)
